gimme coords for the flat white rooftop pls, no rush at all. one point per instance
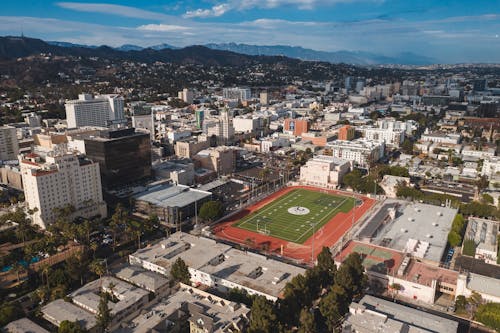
(419, 229)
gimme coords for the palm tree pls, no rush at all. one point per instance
(97, 267)
(45, 270)
(17, 268)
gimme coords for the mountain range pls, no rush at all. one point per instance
(297, 52)
(216, 54)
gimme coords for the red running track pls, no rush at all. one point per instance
(328, 235)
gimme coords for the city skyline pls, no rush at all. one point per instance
(448, 31)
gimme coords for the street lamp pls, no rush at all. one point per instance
(312, 244)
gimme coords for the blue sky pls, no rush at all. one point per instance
(448, 31)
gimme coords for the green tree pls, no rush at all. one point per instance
(489, 314)
(351, 276)
(211, 210)
(67, 326)
(460, 304)
(103, 316)
(334, 306)
(326, 268)
(407, 146)
(307, 322)
(454, 239)
(97, 267)
(180, 272)
(9, 312)
(488, 199)
(263, 318)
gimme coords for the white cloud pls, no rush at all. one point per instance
(111, 9)
(215, 11)
(163, 27)
(222, 8)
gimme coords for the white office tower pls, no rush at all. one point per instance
(52, 182)
(9, 146)
(101, 111)
(241, 94)
(226, 128)
(186, 95)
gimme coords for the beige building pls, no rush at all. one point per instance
(9, 146)
(57, 181)
(189, 147)
(219, 159)
(324, 171)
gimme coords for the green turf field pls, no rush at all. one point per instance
(275, 220)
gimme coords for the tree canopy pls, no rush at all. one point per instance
(211, 210)
(67, 326)
(180, 272)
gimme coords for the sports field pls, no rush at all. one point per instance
(291, 217)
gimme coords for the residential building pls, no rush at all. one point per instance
(127, 300)
(241, 94)
(24, 325)
(217, 265)
(438, 137)
(346, 133)
(362, 152)
(264, 98)
(58, 181)
(206, 313)
(324, 171)
(186, 95)
(102, 111)
(59, 310)
(491, 166)
(144, 279)
(390, 137)
(295, 126)
(9, 146)
(376, 315)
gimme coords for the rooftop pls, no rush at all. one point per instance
(483, 284)
(483, 232)
(24, 325)
(247, 269)
(141, 277)
(418, 229)
(59, 310)
(378, 312)
(88, 296)
(169, 195)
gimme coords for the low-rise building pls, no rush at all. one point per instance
(126, 299)
(324, 171)
(390, 184)
(171, 203)
(24, 325)
(217, 265)
(487, 287)
(484, 233)
(205, 312)
(361, 152)
(221, 160)
(388, 136)
(491, 166)
(142, 278)
(376, 315)
(59, 310)
(187, 148)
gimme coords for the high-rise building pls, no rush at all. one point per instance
(241, 94)
(200, 117)
(124, 155)
(9, 146)
(226, 128)
(186, 95)
(264, 98)
(101, 111)
(60, 181)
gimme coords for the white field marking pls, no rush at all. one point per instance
(319, 222)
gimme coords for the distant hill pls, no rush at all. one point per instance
(220, 54)
(18, 47)
(349, 57)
